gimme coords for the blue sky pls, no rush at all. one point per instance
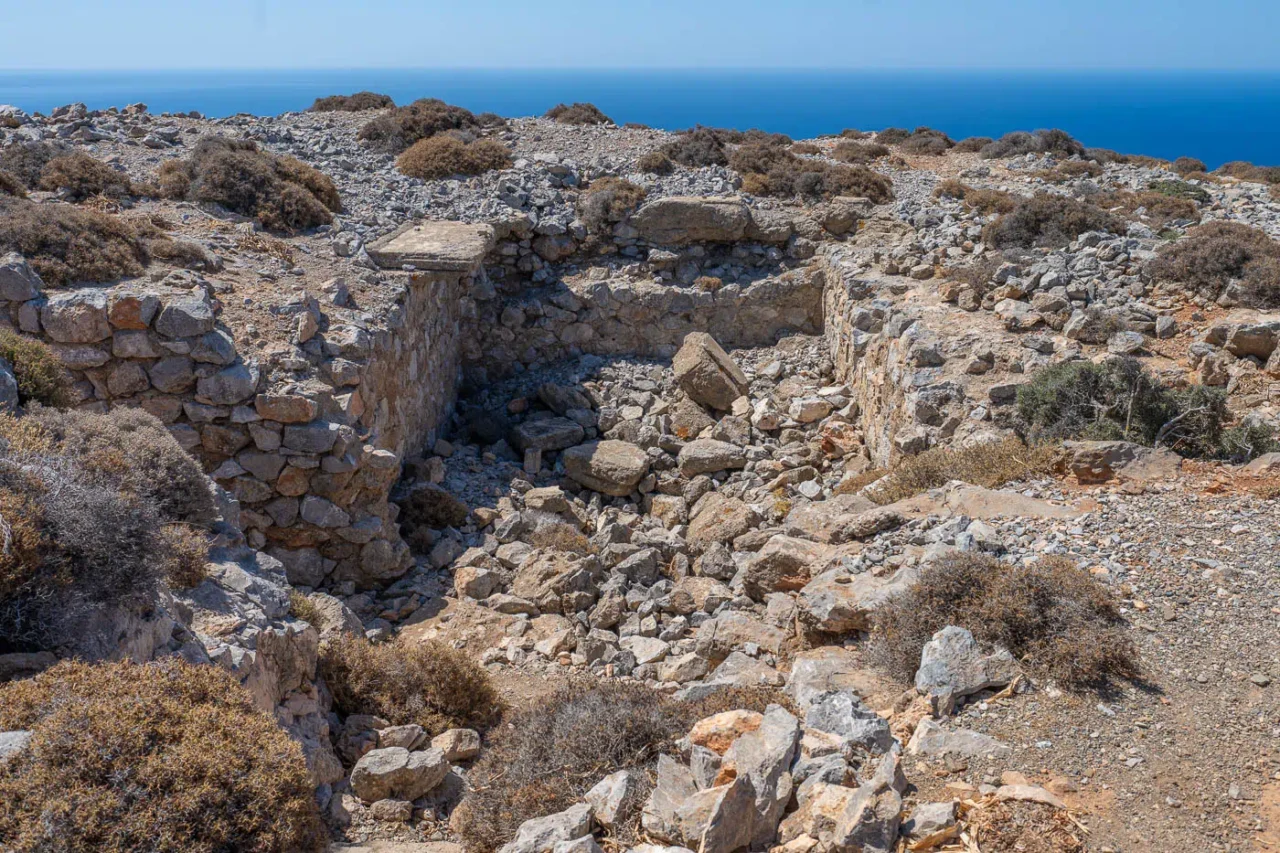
(146, 34)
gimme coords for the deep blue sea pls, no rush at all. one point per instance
(1216, 116)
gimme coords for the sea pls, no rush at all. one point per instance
(1214, 116)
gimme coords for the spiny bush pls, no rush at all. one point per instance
(774, 171)
(282, 193)
(41, 377)
(26, 160)
(1052, 615)
(168, 757)
(926, 140)
(1048, 221)
(1189, 166)
(546, 757)
(428, 683)
(989, 465)
(893, 135)
(1181, 189)
(1209, 258)
(1160, 209)
(79, 176)
(65, 243)
(577, 113)
(701, 146)
(853, 133)
(85, 517)
(1244, 171)
(1069, 170)
(608, 201)
(805, 148)
(1056, 142)
(491, 120)
(972, 144)
(359, 102)
(859, 152)
(1104, 156)
(398, 129)
(1119, 400)
(656, 163)
(9, 185)
(443, 156)
(985, 202)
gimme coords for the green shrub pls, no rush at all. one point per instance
(398, 129)
(282, 193)
(41, 377)
(65, 243)
(1048, 221)
(1181, 189)
(608, 201)
(444, 156)
(427, 683)
(1189, 166)
(1119, 400)
(1213, 255)
(359, 102)
(577, 113)
(1052, 615)
(168, 757)
(1056, 142)
(79, 176)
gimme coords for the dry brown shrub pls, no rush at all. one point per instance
(701, 146)
(1048, 221)
(41, 377)
(398, 129)
(1022, 827)
(972, 144)
(282, 193)
(79, 176)
(1212, 255)
(543, 759)
(608, 201)
(805, 148)
(168, 757)
(1068, 170)
(990, 465)
(66, 244)
(772, 170)
(188, 549)
(859, 152)
(1052, 615)
(984, 201)
(1189, 166)
(25, 160)
(444, 156)
(1161, 209)
(656, 163)
(893, 135)
(1244, 171)
(10, 185)
(427, 683)
(359, 102)
(577, 114)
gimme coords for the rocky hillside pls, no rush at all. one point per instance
(561, 486)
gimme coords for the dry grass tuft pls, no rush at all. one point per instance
(430, 684)
(1052, 615)
(989, 465)
(608, 201)
(168, 757)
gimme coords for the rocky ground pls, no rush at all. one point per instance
(701, 518)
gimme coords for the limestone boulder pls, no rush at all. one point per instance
(707, 456)
(397, 773)
(678, 220)
(610, 467)
(707, 374)
(952, 667)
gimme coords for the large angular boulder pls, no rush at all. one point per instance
(782, 565)
(1100, 461)
(841, 713)
(609, 467)
(397, 773)
(718, 819)
(952, 667)
(763, 757)
(838, 602)
(717, 518)
(707, 456)
(543, 834)
(707, 374)
(677, 220)
(547, 434)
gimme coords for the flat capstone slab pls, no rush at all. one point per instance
(434, 246)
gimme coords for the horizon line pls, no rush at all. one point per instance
(673, 68)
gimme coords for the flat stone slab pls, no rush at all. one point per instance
(434, 246)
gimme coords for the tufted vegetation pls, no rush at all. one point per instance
(1211, 257)
(396, 130)
(772, 170)
(359, 102)
(121, 481)
(41, 377)
(608, 201)
(168, 757)
(445, 155)
(1048, 221)
(577, 113)
(281, 193)
(65, 243)
(1056, 142)
(26, 160)
(78, 177)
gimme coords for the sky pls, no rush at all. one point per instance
(1044, 34)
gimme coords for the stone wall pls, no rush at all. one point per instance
(308, 438)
